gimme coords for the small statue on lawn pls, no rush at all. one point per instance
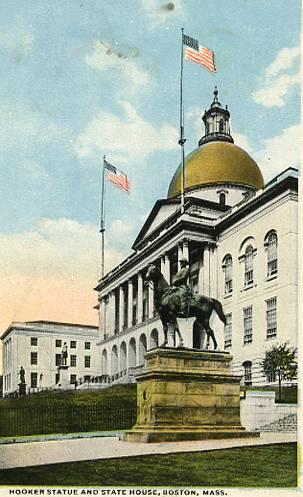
(64, 355)
(22, 375)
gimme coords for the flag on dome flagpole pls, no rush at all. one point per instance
(206, 58)
(120, 180)
(198, 54)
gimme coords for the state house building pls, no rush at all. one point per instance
(240, 237)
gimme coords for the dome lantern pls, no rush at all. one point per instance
(216, 122)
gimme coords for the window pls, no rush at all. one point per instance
(247, 322)
(34, 358)
(73, 379)
(221, 126)
(73, 344)
(247, 365)
(87, 378)
(228, 275)
(34, 380)
(272, 255)
(222, 198)
(271, 317)
(87, 361)
(34, 341)
(87, 345)
(73, 361)
(249, 270)
(58, 343)
(228, 331)
(58, 359)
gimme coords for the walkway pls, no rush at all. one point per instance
(14, 455)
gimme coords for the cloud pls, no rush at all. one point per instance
(16, 40)
(280, 77)
(25, 126)
(105, 57)
(50, 272)
(280, 152)
(127, 137)
(161, 12)
(242, 141)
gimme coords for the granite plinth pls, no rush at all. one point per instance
(22, 389)
(63, 377)
(186, 394)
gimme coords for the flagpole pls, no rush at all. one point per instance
(182, 140)
(102, 224)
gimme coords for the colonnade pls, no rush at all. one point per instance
(132, 303)
(123, 357)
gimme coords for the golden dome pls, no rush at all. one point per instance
(217, 163)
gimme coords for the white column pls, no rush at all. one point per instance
(121, 308)
(185, 249)
(206, 270)
(213, 271)
(140, 299)
(111, 314)
(200, 276)
(150, 301)
(102, 318)
(130, 304)
(180, 251)
(165, 267)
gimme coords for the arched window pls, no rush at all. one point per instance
(228, 274)
(154, 339)
(272, 254)
(222, 198)
(221, 126)
(249, 266)
(247, 365)
(142, 348)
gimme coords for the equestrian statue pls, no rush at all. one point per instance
(178, 301)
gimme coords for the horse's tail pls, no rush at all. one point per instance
(219, 310)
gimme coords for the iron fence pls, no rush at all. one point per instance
(24, 420)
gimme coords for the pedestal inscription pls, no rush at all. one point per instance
(186, 394)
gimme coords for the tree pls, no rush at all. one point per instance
(280, 362)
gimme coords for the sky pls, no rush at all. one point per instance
(84, 78)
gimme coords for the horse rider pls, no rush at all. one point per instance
(180, 285)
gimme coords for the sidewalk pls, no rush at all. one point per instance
(15, 455)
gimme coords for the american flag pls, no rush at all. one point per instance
(198, 54)
(116, 177)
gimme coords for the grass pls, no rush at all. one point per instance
(70, 411)
(122, 393)
(267, 466)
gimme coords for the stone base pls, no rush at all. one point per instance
(22, 389)
(187, 394)
(182, 435)
(63, 382)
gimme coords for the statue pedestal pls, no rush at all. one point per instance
(22, 389)
(186, 394)
(63, 382)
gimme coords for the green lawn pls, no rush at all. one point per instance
(121, 393)
(268, 466)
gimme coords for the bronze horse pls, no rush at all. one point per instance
(168, 306)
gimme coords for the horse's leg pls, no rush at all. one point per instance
(210, 333)
(165, 328)
(180, 344)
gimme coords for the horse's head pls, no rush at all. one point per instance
(153, 273)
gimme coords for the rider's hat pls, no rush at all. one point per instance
(184, 260)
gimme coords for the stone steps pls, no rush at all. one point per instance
(287, 424)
